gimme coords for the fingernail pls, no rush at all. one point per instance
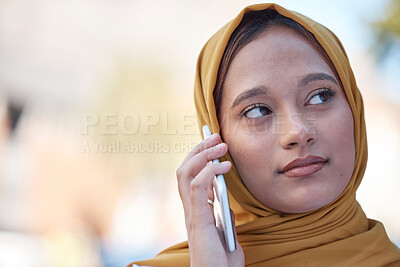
(226, 163)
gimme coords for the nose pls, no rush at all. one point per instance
(297, 130)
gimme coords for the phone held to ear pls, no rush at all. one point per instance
(221, 204)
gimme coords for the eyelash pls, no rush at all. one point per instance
(329, 91)
(253, 106)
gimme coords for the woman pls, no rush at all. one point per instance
(279, 90)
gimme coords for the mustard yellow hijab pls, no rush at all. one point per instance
(338, 234)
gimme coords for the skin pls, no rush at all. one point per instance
(195, 176)
(303, 120)
(300, 121)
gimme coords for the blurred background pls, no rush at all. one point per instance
(97, 113)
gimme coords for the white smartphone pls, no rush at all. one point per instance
(221, 204)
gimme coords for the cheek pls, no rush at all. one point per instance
(337, 135)
(347, 144)
(340, 131)
(253, 155)
(250, 149)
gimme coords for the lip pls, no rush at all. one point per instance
(303, 166)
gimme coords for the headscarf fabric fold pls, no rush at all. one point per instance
(338, 234)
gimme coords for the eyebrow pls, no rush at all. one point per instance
(263, 90)
(316, 77)
(258, 90)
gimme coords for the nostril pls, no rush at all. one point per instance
(310, 140)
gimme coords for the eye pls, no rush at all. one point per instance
(255, 111)
(322, 96)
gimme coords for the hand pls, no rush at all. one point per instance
(195, 177)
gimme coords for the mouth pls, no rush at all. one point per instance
(303, 166)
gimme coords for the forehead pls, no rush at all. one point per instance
(279, 55)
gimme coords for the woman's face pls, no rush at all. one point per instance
(282, 102)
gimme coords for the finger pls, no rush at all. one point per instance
(192, 168)
(205, 156)
(195, 165)
(213, 140)
(184, 177)
(184, 185)
(199, 191)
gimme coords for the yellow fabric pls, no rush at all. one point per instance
(338, 234)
